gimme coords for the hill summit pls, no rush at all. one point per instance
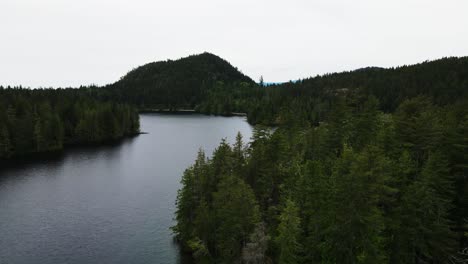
(175, 83)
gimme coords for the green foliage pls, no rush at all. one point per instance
(425, 229)
(254, 251)
(172, 85)
(289, 232)
(361, 186)
(355, 231)
(215, 206)
(5, 144)
(367, 166)
(34, 121)
(236, 214)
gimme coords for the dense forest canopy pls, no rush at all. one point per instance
(363, 186)
(41, 120)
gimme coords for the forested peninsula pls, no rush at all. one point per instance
(363, 186)
(45, 120)
(365, 166)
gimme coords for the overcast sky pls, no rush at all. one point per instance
(62, 43)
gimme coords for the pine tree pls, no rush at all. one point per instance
(458, 149)
(425, 233)
(313, 195)
(239, 155)
(39, 140)
(56, 134)
(204, 238)
(254, 251)
(237, 213)
(186, 205)
(5, 145)
(354, 229)
(365, 124)
(288, 239)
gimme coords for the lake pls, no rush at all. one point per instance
(107, 204)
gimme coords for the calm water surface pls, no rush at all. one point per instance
(110, 204)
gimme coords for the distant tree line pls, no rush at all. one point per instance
(211, 85)
(42, 120)
(444, 81)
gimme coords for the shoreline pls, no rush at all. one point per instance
(185, 111)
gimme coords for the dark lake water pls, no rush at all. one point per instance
(108, 204)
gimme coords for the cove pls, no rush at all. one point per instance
(107, 204)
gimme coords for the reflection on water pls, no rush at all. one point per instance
(106, 204)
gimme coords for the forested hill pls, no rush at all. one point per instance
(171, 84)
(444, 81)
(211, 85)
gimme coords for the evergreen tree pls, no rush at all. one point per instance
(288, 239)
(238, 152)
(237, 213)
(188, 199)
(5, 145)
(39, 141)
(254, 251)
(425, 233)
(354, 232)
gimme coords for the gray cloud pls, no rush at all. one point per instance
(68, 43)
